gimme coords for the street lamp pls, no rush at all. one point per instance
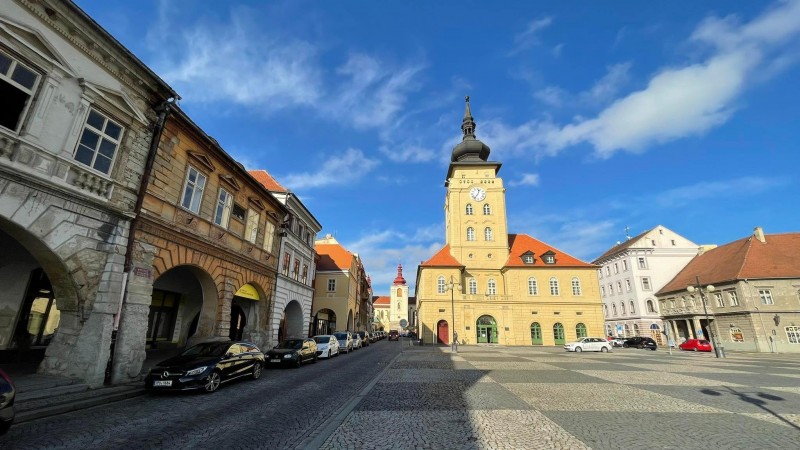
(710, 288)
(452, 286)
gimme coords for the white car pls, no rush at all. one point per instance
(589, 344)
(357, 344)
(345, 339)
(327, 346)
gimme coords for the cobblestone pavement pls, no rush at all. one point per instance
(283, 409)
(530, 398)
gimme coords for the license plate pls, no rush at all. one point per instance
(274, 360)
(162, 383)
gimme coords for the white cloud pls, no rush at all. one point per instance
(608, 86)
(529, 37)
(551, 95)
(409, 153)
(528, 179)
(707, 190)
(345, 169)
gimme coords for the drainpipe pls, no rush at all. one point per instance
(163, 110)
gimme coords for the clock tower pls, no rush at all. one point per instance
(475, 203)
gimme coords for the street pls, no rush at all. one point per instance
(394, 395)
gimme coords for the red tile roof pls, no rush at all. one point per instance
(778, 257)
(263, 177)
(333, 257)
(442, 258)
(522, 243)
(382, 301)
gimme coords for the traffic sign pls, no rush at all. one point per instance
(403, 323)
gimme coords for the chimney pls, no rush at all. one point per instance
(758, 232)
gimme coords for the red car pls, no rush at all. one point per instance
(697, 345)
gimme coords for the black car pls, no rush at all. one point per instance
(293, 352)
(7, 394)
(205, 366)
(641, 342)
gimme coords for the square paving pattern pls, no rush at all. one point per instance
(494, 397)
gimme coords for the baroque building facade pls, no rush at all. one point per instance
(294, 294)
(78, 119)
(341, 289)
(493, 287)
(632, 272)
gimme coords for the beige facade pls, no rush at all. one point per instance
(337, 294)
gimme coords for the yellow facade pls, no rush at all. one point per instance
(492, 280)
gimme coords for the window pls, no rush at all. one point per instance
(610, 289)
(608, 271)
(635, 329)
(624, 265)
(622, 307)
(619, 287)
(766, 296)
(269, 236)
(718, 297)
(734, 301)
(627, 285)
(17, 86)
(650, 307)
(614, 308)
(793, 334)
(653, 242)
(533, 288)
(633, 311)
(627, 330)
(527, 259)
(470, 234)
(553, 286)
(99, 142)
(469, 209)
(600, 273)
(491, 287)
(304, 277)
(646, 283)
(473, 286)
(549, 259)
(331, 285)
(616, 268)
(296, 269)
(487, 234)
(238, 212)
(487, 210)
(736, 334)
(576, 286)
(222, 213)
(673, 242)
(440, 286)
(605, 311)
(287, 259)
(672, 303)
(603, 290)
(663, 304)
(251, 231)
(642, 263)
(580, 331)
(193, 190)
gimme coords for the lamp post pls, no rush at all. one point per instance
(702, 291)
(452, 286)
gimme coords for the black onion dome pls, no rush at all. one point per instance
(470, 148)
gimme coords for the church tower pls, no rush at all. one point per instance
(475, 203)
(398, 301)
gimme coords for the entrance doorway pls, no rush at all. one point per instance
(486, 330)
(536, 334)
(238, 322)
(443, 332)
(39, 316)
(161, 321)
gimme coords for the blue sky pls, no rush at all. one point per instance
(605, 115)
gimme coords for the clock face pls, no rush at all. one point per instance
(477, 193)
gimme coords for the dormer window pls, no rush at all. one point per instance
(527, 259)
(549, 258)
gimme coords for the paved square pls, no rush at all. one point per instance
(516, 398)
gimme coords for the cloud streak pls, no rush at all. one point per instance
(338, 170)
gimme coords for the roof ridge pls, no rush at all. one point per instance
(744, 258)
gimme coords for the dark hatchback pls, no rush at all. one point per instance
(7, 394)
(293, 352)
(206, 366)
(641, 342)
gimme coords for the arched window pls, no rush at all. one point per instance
(627, 330)
(576, 286)
(470, 234)
(605, 310)
(487, 234)
(622, 307)
(633, 311)
(399, 292)
(473, 286)
(580, 331)
(491, 287)
(614, 308)
(553, 286)
(487, 210)
(440, 286)
(635, 329)
(533, 288)
(609, 330)
(469, 209)
(536, 333)
(558, 333)
(650, 307)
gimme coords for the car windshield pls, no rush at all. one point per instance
(340, 336)
(208, 349)
(322, 339)
(291, 344)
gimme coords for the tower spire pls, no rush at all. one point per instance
(468, 124)
(399, 279)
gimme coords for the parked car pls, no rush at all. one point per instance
(618, 342)
(7, 394)
(293, 352)
(588, 344)
(365, 338)
(357, 342)
(327, 346)
(206, 366)
(345, 341)
(641, 342)
(394, 335)
(697, 345)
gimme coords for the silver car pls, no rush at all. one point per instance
(588, 344)
(345, 339)
(327, 346)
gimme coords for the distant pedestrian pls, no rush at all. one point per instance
(455, 340)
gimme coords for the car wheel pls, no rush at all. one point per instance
(257, 370)
(624, 345)
(212, 382)
(329, 354)
(604, 349)
(299, 362)
(315, 359)
(578, 349)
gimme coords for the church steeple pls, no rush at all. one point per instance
(468, 124)
(470, 148)
(399, 279)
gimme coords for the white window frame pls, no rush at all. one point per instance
(195, 198)
(527, 259)
(550, 259)
(733, 299)
(469, 210)
(251, 229)
(603, 290)
(441, 287)
(642, 261)
(616, 268)
(222, 213)
(766, 296)
(487, 234)
(632, 308)
(624, 265)
(101, 138)
(473, 286)
(491, 287)
(331, 284)
(719, 299)
(269, 236)
(792, 334)
(533, 286)
(470, 234)
(487, 210)
(651, 307)
(627, 285)
(554, 286)
(31, 92)
(576, 286)
(646, 285)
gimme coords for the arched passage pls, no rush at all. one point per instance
(350, 323)
(249, 308)
(443, 332)
(292, 320)
(324, 322)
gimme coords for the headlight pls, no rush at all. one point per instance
(289, 356)
(197, 371)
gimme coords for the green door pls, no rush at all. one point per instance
(558, 334)
(486, 330)
(536, 333)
